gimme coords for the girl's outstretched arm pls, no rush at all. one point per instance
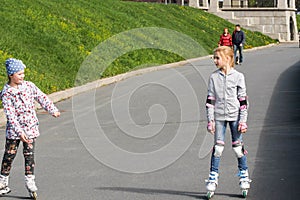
(44, 101)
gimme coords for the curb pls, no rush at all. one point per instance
(261, 47)
(65, 94)
(68, 93)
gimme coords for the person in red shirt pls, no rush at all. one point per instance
(225, 39)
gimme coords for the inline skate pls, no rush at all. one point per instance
(244, 182)
(30, 186)
(4, 189)
(211, 184)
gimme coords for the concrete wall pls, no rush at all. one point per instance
(274, 22)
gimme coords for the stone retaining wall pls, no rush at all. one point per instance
(276, 23)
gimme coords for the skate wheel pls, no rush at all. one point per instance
(33, 195)
(245, 193)
(210, 195)
(5, 191)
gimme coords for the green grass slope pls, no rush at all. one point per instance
(54, 37)
(298, 22)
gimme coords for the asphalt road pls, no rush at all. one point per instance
(145, 137)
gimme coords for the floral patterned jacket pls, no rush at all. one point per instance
(19, 107)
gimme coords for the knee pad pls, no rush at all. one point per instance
(218, 149)
(238, 149)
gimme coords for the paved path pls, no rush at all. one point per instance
(157, 121)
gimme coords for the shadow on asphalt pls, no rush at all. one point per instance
(14, 197)
(276, 172)
(196, 195)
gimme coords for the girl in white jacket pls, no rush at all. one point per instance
(227, 104)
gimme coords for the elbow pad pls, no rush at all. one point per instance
(243, 103)
(210, 102)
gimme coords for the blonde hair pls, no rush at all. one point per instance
(226, 51)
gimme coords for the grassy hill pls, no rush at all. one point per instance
(54, 37)
(298, 22)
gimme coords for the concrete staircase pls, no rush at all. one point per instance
(244, 22)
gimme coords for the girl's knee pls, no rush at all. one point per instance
(238, 148)
(219, 148)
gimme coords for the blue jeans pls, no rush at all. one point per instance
(220, 137)
(240, 49)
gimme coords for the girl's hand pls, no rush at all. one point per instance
(56, 114)
(211, 127)
(242, 127)
(24, 138)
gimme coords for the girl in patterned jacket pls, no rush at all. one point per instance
(227, 104)
(18, 100)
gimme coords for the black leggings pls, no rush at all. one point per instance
(11, 148)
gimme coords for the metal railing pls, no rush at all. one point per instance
(254, 3)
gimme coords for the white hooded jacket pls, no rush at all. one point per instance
(227, 97)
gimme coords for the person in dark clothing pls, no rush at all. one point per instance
(238, 40)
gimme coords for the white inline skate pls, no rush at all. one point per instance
(30, 186)
(4, 189)
(211, 184)
(244, 182)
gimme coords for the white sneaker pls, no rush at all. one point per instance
(30, 183)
